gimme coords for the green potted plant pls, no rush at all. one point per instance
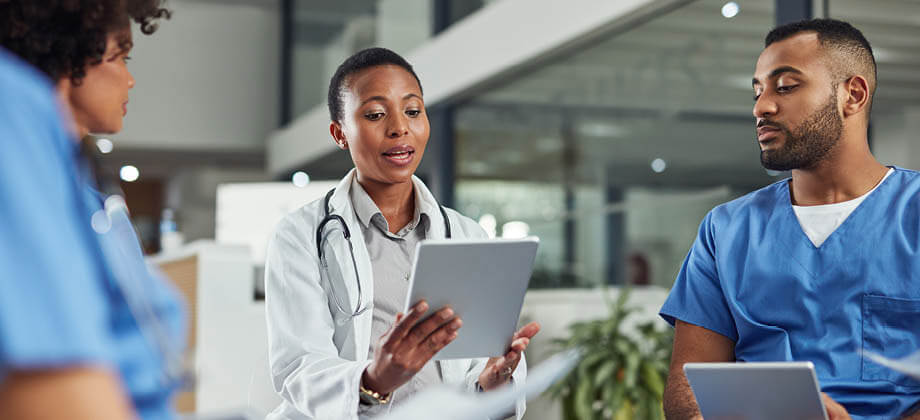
(620, 376)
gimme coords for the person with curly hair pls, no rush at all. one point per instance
(83, 46)
(87, 331)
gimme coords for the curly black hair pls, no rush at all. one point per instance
(63, 37)
(364, 59)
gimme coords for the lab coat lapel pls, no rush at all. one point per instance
(341, 205)
(436, 228)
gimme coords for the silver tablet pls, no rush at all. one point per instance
(483, 281)
(756, 390)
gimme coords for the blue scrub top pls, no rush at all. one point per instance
(753, 276)
(60, 302)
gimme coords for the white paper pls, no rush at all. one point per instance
(448, 403)
(909, 365)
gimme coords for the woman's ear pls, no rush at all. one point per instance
(335, 129)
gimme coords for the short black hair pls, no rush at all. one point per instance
(364, 59)
(849, 50)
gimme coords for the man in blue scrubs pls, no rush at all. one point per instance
(816, 267)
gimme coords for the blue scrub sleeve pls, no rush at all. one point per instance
(53, 298)
(697, 297)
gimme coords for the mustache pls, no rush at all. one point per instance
(773, 124)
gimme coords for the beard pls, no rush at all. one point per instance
(809, 144)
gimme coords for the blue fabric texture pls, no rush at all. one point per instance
(753, 276)
(60, 304)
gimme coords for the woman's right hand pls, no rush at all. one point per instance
(405, 348)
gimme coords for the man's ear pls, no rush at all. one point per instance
(857, 97)
(335, 129)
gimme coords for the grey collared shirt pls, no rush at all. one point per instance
(391, 261)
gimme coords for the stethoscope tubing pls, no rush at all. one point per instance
(328, 216)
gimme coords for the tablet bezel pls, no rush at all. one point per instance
(752, 388)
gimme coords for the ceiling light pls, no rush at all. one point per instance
(659, 165)
(105, 146)
(300, 179)
(129, 173)
(730, 10)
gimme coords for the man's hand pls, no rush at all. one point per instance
(498, 370)
(835, 411)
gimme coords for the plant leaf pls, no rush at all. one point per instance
(652, 379)
(625, 412)
(632, 370)
(605, 372)
(584, 398)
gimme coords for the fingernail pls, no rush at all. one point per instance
(447, 313)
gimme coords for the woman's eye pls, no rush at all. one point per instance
(788, 88)
(374, 116)
(413, 112)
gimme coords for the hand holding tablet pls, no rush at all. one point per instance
(483, 281)
(407, 346)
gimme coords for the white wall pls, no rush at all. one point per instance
(207, 79)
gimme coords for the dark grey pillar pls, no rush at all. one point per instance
(788, 11)
(438, 167)
(569, 183)
(287, 61)
(615, 226)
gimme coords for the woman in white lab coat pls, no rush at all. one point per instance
(335, 351)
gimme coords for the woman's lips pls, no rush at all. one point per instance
(399, 156)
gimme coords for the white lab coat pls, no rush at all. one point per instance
(317, 354)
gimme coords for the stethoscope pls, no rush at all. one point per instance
(360, 307)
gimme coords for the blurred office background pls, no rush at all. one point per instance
(606, 128)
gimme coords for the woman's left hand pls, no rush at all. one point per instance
(499, 369)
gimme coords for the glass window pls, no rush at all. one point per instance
(893, 29)
(614, 152)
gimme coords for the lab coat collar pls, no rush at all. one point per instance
(340, 204)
